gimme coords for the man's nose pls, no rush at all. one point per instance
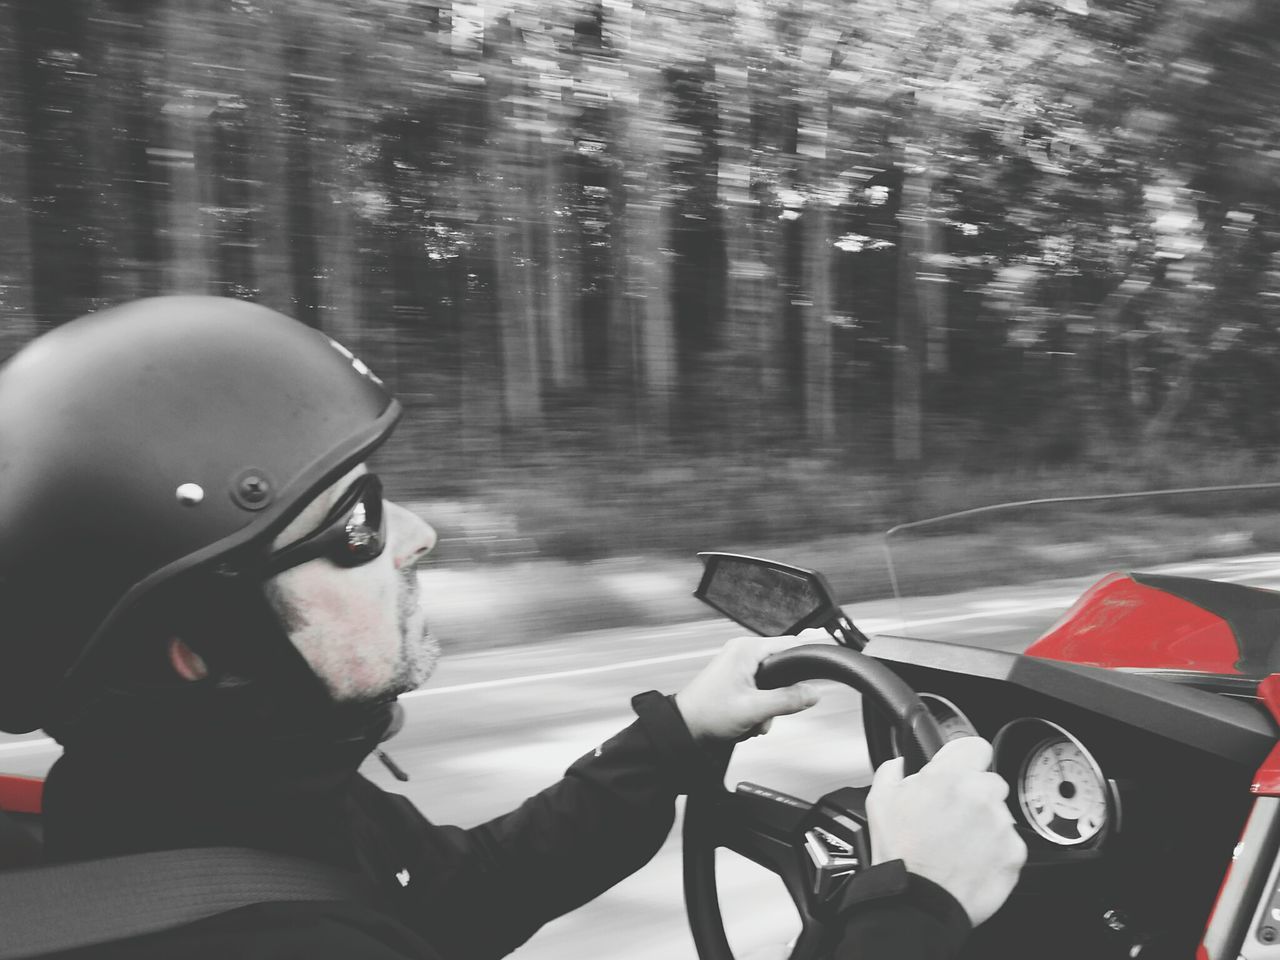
(411, 536)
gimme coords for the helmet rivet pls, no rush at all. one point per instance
(254, 488)
(189, 494)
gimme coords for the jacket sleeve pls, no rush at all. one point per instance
(483, 891)
(890, 914)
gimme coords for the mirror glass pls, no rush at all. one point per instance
(764, 598)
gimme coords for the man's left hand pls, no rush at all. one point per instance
(724, 703)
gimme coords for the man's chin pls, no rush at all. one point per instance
(419, 660)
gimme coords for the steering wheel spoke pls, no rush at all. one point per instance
(762, 825)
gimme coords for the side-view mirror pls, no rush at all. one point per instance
(773, 599)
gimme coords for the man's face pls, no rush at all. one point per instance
(362, 628)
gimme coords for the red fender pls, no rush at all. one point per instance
(1119, 622)
(21, 794)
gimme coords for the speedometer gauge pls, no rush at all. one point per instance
(1058, 790)
(952, 723)
(1062, 791)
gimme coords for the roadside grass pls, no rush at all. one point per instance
(581, 509)
(552, 544)
(478, 606)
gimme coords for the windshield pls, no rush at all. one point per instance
(1003, 575)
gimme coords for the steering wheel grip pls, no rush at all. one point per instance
(918, 732)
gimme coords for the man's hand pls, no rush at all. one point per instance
(949, 824)
(724, 703)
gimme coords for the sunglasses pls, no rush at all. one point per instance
(352, 533)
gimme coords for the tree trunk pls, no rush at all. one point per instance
(528, 247)
(767, 292)
(339, 119)
(911, 340)
(336, 238)
(647, 271)
(269, 163)
(506, 158)
(17, 316)
(819, 346)
(561, 182)
(752, 309)
(183, 154)
(908, 358)
(816, 275)
(127, 203)
(650, 288)
(563, 333)
(54, 43)
(933, 297)
(521, 399)
(1175, 402)
(1107, 320)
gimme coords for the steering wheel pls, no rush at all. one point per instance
(813, 848)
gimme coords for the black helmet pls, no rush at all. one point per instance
(147, 441)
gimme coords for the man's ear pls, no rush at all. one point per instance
(186, 663)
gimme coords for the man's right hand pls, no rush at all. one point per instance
(949, 824)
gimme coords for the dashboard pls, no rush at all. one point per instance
(1130, 793)
(1057, 789)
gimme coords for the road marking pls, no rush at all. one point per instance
(892, 623)
(1268, 575)
(871, 626)
(561, 674)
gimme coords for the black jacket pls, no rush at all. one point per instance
(445, 892)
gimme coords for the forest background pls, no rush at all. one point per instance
(660, 275)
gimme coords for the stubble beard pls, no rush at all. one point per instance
(419, 649)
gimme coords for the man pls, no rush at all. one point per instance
(207, 601)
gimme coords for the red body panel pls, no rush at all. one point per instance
(1121, 623)
(1266, 782)
(21, 794)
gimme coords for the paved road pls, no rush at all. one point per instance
(494, 726)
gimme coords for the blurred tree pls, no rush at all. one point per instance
(58, 94)
(126, 201)
(747, 199)
(183, 149)
(343, 122)
(648, 209)
(814, 175)
(994, 231)
(17, 317)
(509, 160)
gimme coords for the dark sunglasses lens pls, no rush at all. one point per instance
(366, 531)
